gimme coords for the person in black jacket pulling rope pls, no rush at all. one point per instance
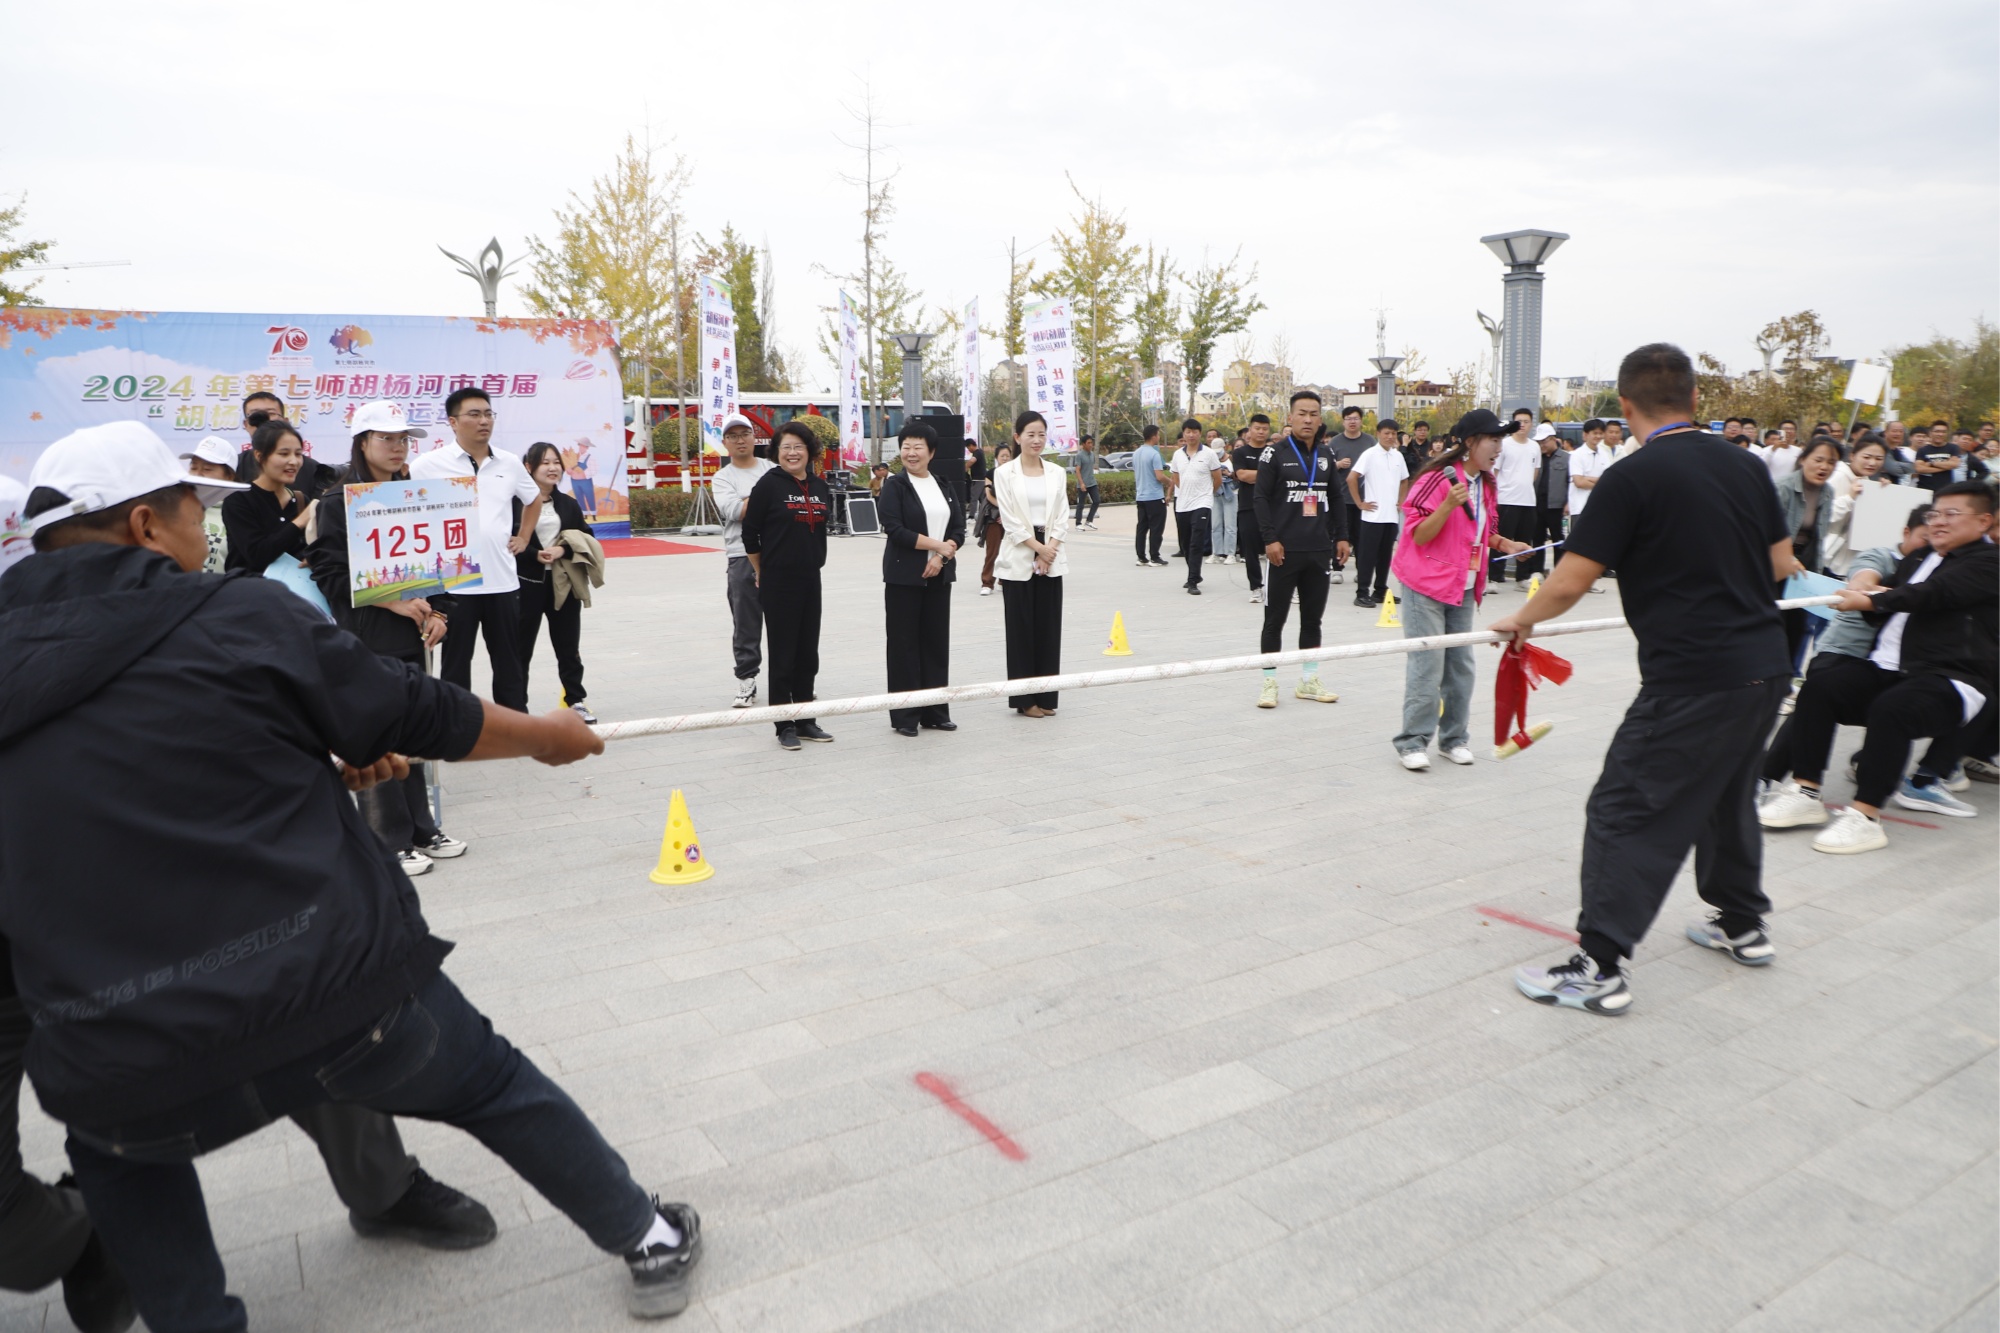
(233, 943)
(1935, 666)
(784, 535)
(1303, 523)
(924, 523)
(399, 812)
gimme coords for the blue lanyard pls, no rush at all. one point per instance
(1677, 425)
(1312, 474)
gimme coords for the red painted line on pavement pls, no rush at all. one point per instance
(1513, 920)
(941, 1090)
(1898, 819)
(615, 547)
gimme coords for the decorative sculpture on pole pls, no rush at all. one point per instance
(488, 272)
(1495, 329)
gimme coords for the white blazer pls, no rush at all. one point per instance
(1019, 517)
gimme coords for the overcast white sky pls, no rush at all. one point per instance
(1717, 164)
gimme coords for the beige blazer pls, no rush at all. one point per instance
(1019, 517)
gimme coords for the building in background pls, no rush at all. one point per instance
(1412, 396)
(1264, 382)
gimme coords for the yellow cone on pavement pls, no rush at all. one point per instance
(681, 858)
(1534, 584)
(1117, 647)
(1388, 619)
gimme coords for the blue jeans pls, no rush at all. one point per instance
(1223, 538)
(1445, 673)
(434, 1057)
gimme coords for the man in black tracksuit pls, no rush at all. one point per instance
(1303, 523)
(231, 943)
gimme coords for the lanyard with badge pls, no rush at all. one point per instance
(1310, 501)
(1477, 495)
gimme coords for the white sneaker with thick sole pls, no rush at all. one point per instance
(1850, 832)
(1460, 755)
(746, 694)
(1414, 760)
(1791, 806)
(414, 863)
(1312, 691)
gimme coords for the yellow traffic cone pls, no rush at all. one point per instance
(681, 860)
(1118, 647)
(1388, 619)
(1534, 584)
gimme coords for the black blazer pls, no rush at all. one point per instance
(569, 517)
(903, 521)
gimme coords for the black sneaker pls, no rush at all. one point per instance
(789, 738)
(1157, 561)
(1577, 984)
(1194, 589)
(1363, 601)
(432, 1214)
(812, 731)
(659, 1273)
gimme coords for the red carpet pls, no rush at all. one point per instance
(621, 546)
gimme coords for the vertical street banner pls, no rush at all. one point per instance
(853, 447)
(412, 539)
(718, 360)
(186, 375)
(1153, 391)
(969, 392)
(1052, 370)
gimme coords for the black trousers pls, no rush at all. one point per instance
(1191, 527)
(497, 615)
(43, 1228)
(1305, 571)
(565, 636)
(1518, 523)
(1374, 546)
(791, 638)
(1034, 633)
(918, 621)
(1548, 528)
(1250, 545)
(1095, 494)
(399, 812)
(1895, 708)
(1153, 526)
(1681, 772)
(1778, 755)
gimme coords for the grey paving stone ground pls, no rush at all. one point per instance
(1219, 972)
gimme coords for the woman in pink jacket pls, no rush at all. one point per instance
(1450, 521)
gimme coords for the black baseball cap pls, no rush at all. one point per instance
(1480, 421)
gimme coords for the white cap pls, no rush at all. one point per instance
(214, 449)
(102, 466)
(738, 419)
(384, 416)
(1543, 431)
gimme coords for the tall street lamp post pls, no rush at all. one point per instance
(488, 272)
(912, 345)
(1524, 253)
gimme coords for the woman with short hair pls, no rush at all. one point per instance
(784, 537)
(924, 523)
(536, 567)
(1033, 498)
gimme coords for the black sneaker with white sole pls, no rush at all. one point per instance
(660, 1272)
(441, 846)
(813, 731)
(1753, 948)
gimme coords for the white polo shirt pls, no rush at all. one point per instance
(1194, 484)
(1514, 471)
(502, 480)
(1585, 461)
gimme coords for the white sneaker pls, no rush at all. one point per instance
(746, 694)
(1850, 832)
(1267, 693)
(1414, 760)
(986, 592)
(414, 863)
(1257, 598)
(1459, 754)
(1791, 806)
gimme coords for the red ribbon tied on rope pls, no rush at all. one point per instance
(1523, 667)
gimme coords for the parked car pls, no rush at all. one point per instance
(1118, 462)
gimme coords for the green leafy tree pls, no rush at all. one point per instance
(18, 255)
(617, 255)
(1219, 304)
(1156, 314)
(1950, 378)
(1097, 270)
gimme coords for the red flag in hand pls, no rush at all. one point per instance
(1523, 667)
